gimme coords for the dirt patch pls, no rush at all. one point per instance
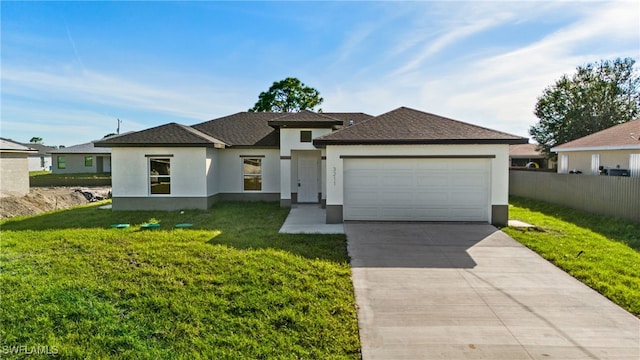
(42, 199)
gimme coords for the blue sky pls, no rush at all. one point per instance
(70, 69)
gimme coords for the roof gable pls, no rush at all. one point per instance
(243, 129)
(409, 126)
(621, 136)
(171, 134)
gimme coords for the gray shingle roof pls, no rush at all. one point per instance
(243, 129)
(86, 148)
(622, 136)
(10, 145)
(171, 134)
(409, 126)
(42, 149)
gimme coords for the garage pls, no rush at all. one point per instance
(417, 189)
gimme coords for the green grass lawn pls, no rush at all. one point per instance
(230, 287)
(43, 174)
(602, 252)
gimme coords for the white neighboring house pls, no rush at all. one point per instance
(613, 151)
(83, 158)
(404, 165)
(40, 160)
(14, 168)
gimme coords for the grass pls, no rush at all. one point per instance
(602, 252)
(43, 174)
(230, 287)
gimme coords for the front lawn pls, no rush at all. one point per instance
(230, 287)
(602, 252)
(48, 175)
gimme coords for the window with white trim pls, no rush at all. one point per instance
(252, 174)
(634, 165)
(563, 164)
(159, 176)
(62, 164)
(595, 164)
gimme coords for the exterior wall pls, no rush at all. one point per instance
(36, 162)
(212, 164)
(581, 160)
(499, 197)
(130, 172)
(14, 174)
(75, 163)
(230, 173)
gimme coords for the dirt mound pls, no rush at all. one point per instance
(40, 200)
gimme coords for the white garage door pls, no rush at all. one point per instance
(417, 189)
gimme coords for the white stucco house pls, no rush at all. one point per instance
(14, 168)
(82, 158)
(612, 151)
(41, 158)
(404, 165)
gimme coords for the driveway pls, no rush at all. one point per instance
(469, 291)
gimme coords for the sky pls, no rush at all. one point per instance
(70, 70)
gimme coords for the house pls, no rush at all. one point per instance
(404, 165)
(82, 158)
(14, 168)
(612, 151)
(527, 156)
(41, 159)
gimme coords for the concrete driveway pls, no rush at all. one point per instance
(469, 291)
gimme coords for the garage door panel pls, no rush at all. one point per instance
(417, 189)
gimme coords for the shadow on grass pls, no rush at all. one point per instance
(242, 225)
(620, 230)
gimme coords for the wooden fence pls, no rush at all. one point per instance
(615, 196)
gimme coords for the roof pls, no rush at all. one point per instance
(8, 145)
(171, 134)
(525, 151)
(40, 148)
(86, 148)
(619, 137)
(409, 126)
(243, 129)
(305, 118)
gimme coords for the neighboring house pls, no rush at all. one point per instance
(14, 168)
(404, 165)
(613, 151)
(83, 158)
(40, 160)
(527, 156)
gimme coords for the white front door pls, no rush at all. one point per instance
(307, 179)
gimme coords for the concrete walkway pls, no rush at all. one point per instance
(309, 219)
(469, 291)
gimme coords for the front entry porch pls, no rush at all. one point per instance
(309, 219)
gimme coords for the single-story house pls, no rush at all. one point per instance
(14, 168)
(612, 151)
(82, 158)
(404, 165)
(527, 156)
(41, 159)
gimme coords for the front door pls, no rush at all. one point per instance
(307, 179)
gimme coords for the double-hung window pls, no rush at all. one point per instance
(252, 173)
(88, 161)
(159, 175)
(62, 164)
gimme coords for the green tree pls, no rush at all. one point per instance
(596, 97)
(288, 95)
(36, 140)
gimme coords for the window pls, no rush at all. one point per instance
(634, 165)
(252, 170)
(595, 164)
(305, 136)
(88, 161)
(42, 161)
(160, 175)
(61, 163)
(563, 164)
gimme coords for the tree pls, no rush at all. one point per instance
(288, 95)
(36, 140)
(596, 97)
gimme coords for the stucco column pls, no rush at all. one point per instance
(285, 181)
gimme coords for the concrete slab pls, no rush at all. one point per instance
(309, 219)
(469, 291)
